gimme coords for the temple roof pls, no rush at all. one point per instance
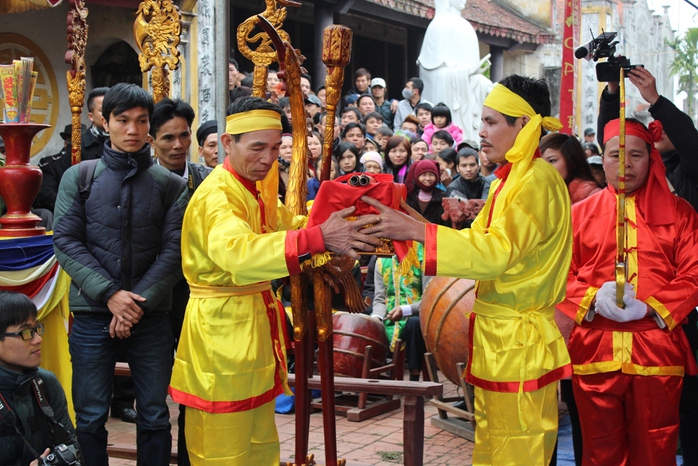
(487, 17)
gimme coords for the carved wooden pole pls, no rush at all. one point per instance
(264, 54)
(157, 29)
(75, 77)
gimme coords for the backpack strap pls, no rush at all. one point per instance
(85, 177)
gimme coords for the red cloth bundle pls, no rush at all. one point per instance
(338, 194)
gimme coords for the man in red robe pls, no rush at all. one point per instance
(629, 362)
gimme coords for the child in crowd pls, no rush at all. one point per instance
(370, 145)
(441, 121)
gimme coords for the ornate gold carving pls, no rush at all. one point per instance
(336, 53)
(264, 54)
(157, 30)
(75, 77)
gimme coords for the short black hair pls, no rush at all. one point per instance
(423, 106)
(466, 152)
(246, 104)
(417, 84)
(385, 131)
(240, 91)
(444, 136)
(351, 109)
(308, 77)
(284, 102)
(352, 125)
(166, 110)
(234, 62)
(375, 115)
(441, 109)
(365, 96)
(94, 93)
(123, 97)
(15, 309)
(533, 90)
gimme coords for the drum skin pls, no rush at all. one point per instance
(352, 334)
(445, 325)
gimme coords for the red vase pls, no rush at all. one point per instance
(20, 181)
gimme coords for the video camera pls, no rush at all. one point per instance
(604, 46)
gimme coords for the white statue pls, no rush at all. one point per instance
(451, 68)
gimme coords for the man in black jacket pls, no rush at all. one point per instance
(680, 155)
(93, 138)
(119, 241)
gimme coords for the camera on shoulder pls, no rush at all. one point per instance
(62, 455)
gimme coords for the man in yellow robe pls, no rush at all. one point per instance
(236, 237)
(519, 250)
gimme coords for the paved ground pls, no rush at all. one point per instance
(376, 441)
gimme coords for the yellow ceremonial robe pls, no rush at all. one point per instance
(520, 252)
(228, 352)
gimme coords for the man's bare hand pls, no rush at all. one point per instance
(394, 224)
(645, 83)
(394, 315)
(124, 305)
(343, 237)
(43, 455)
(119, 330)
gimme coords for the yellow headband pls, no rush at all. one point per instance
(254, 120)
(509, 103)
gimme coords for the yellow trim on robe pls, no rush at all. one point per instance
(663, 312)
(585, 304)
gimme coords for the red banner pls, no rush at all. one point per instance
(568, 73)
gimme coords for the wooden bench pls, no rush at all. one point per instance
(413, 410)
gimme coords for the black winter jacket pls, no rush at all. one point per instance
(681, 164)
(125, 235)
(17, 390)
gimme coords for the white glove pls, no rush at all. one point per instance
(606, 304)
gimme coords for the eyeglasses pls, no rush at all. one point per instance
(27, 333)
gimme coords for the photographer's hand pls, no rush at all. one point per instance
(43, 455)
(645, 83)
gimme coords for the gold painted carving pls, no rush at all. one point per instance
(75, 77)
(263, 54)
(157, 31)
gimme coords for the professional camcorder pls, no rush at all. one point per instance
(604, 46)
(62, 455)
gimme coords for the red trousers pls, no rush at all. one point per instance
(628, 419)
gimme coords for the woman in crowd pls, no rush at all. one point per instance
(447, 163)
(347, 156)
(314, 182)
(423, 195)
(372, 162)
(397, 160)
(355, 133)
(441, 121)
(566, 154)
(420, 148)
(315, 148)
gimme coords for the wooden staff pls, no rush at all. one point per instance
(621, 257)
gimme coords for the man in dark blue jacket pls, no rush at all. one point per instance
(119, 241)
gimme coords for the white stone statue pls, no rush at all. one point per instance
(451, 68)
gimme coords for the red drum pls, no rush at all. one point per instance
(444, 324)
(352, 334)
